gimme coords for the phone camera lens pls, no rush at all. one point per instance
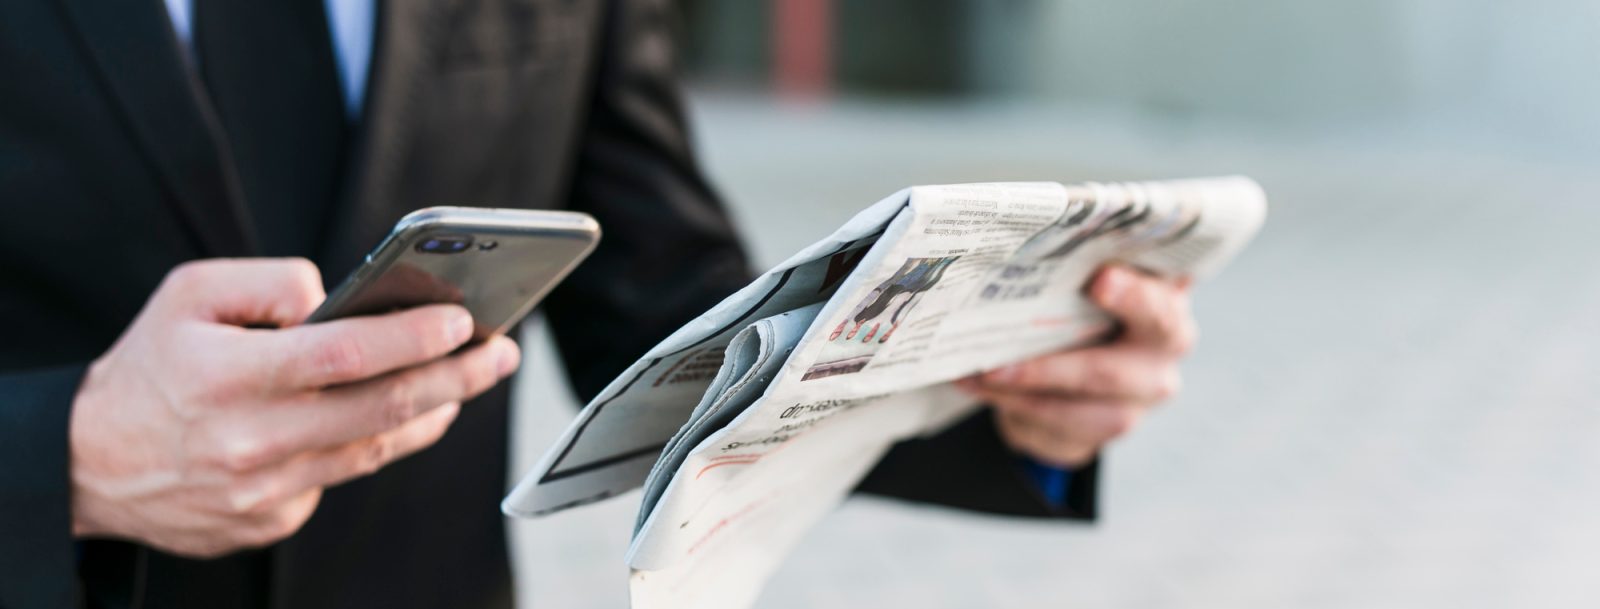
(445, 244)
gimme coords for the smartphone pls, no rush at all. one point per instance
(498, 263)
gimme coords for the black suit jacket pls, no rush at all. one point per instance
(113, 171)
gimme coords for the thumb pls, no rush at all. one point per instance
(1154, 312)
(245, 292)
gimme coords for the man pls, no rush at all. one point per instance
(172, 436)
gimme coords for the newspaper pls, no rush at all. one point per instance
(750, 423)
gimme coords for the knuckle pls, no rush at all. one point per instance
(477, 377)
(432, 332)
(396, 405)
(190, 272)
(249, 499)
(1103, 377)
(1028, 374)
(243, 453)
(239, 501)
(373, 455)
(304, 281)
(339, 357)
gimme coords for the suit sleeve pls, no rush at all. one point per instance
(969, 467)
(670, 252)
(37, 563)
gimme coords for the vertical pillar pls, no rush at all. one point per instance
(802, 53)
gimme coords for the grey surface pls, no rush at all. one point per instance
(1524, 68)
(1394, 403)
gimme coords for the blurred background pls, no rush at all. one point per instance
(1397, 397)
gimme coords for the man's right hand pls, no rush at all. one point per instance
(201, 433)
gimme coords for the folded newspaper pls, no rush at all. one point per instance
(750, 423)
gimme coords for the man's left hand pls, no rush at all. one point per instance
(1062, 408)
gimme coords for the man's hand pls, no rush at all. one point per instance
(202, 433)
(1062, 408)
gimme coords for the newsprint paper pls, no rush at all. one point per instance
(750, 423)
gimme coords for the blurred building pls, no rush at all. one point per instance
(1523, 69)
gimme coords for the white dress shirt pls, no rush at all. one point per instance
(351, 24)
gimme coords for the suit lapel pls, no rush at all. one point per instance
(405, 40)
(137, 54)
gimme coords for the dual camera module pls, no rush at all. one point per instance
(452, 244)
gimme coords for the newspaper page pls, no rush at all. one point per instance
(809, 388)
(614, 441)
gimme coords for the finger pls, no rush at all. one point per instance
(1087, 420)
(1099, 372)
(1041, 444)
(360, 348)
(1063, 429)
(332, 417)
(363, 457)
(266, 487)
(351, 412)
(244, 292)
(273, 525)
(1154, 312)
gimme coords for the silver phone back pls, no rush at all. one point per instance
(512, 259)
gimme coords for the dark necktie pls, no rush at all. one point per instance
(269, 67)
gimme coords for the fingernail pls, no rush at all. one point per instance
(461, 327)
(1003, 374)
(508, 359)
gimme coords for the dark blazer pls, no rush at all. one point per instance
(113, 171)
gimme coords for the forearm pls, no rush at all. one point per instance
(37, 565)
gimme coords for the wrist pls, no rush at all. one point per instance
(1066, 459)
(82, 455)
